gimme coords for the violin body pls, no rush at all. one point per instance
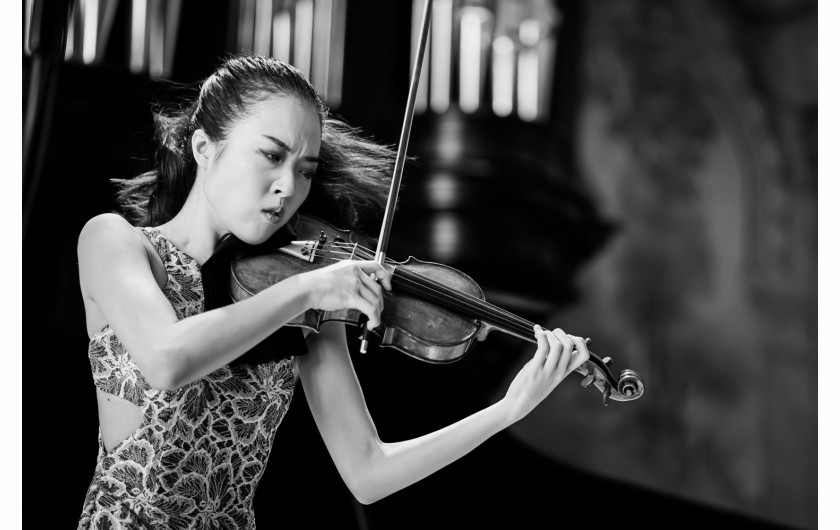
(434, 313)
(251, 274)
(414, 326)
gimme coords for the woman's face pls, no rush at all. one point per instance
(265, 168)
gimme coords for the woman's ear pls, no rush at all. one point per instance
(202, 148)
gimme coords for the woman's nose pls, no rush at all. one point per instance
(284, 185)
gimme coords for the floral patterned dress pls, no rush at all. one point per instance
(200, 451)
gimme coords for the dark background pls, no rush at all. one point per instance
(533, 195)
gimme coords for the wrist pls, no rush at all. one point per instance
(506, 412)
(303, 291)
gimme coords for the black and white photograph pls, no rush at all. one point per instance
(421, 264)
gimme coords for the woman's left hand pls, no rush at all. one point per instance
(557, 355)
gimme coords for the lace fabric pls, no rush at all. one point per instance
(197, 457)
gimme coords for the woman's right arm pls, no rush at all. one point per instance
(116, 274)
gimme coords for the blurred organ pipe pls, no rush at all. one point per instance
(309, 34)
(46, 31)
(494, 191)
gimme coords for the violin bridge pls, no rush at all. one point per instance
(304, 250)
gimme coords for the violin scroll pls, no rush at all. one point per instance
(628, 387)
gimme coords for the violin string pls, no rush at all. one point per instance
(457, 298)
(430, 286)
(425, 285)
(367, 254)
(525, 331)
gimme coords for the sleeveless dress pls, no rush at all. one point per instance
(201, 449)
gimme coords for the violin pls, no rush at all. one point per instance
(434, 312)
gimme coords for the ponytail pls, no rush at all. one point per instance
(154, 197)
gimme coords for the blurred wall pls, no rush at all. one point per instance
(697, 137)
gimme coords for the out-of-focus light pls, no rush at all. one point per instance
(137, 60)
(441, 191)
(303, 36)
(247, 14)
(422, 101)
(282, 37)
(504, 66)
(262, 27)
(529, 32)
(170, 20)
(321, 45)
(527, 86)
(70, 45)
(157, 38)
(520, 60)
(449, 144)
(90, 23)
(470, 58)
(71, 36)
(336, 53)
(445, 237)
(441, 54)
(27, 26)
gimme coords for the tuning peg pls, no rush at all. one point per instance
(588, 379)
(607, 361)
(606, 394)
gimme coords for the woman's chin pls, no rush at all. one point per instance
(257, 237)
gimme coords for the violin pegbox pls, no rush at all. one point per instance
(595, 371)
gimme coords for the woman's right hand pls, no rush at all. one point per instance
(348, 284)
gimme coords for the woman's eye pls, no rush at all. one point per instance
(271, 156)
(307, 174)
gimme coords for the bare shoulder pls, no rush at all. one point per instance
(109, 245)
(108, 232)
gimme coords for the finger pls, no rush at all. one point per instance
(370, 296)
(580, 356)
(562, 360)
(381, 273)
(563, 338)
(370, 282)
(370, 310)
(555, 352)
(370, 292)
(542, 345)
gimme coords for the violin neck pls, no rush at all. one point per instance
(464, 303)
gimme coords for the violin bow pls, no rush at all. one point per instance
(396, 179)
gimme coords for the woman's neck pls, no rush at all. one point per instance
(195, 228)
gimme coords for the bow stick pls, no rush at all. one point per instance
(403, 145)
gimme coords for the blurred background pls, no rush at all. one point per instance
(640, 172)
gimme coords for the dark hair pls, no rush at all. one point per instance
(353, 172)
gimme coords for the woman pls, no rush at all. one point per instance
(185, 426)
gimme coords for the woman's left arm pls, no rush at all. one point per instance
(373, 469)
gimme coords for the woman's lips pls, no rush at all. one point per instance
(273, 216)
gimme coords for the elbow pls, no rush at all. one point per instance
(365, 482)
(364, 500)
(365, 491)
(165, 371)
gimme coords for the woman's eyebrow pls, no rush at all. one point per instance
(282, 145)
